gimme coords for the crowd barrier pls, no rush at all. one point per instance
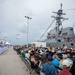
(3, 49)
(28, 64)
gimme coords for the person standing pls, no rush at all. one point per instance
(48, 68)
(66, 68)
(72, 70)
(56, 61)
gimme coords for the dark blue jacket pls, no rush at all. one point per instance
(49, 69)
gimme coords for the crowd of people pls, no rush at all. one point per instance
(50, 61)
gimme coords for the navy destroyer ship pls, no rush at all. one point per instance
(60, 36)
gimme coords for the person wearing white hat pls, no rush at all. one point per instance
(66, 68)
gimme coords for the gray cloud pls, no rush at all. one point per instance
(12, 20)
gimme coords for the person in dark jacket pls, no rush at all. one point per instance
(48, 68)
(72, 70)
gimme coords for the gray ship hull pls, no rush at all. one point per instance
(61, 44)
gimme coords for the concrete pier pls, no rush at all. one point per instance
(11, 64)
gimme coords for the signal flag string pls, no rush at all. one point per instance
(47, 29)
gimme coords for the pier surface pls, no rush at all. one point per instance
(11, 64)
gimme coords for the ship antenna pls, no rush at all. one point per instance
(61, 5)
(59, 19)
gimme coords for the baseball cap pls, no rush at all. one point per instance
(66, 63)
(49, 58)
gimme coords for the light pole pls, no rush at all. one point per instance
(28, 18)
(17, 38)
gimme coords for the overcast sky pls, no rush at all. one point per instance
(13, 24)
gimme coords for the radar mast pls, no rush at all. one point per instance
(59, 19)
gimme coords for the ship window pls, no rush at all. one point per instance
(71, 29)
(48, 37)
(59, 40)
(48, 33)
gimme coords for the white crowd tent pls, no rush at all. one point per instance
(7, 43)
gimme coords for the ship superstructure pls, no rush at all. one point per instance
(60, 35)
